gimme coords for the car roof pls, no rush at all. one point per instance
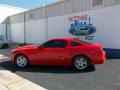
(71, 39)
(63, 38)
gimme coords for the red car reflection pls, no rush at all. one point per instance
(61, 51)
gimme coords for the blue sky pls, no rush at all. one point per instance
(26, 3)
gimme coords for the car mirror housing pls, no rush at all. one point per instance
(41, 46)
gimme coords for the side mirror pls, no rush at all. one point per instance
(41, 46)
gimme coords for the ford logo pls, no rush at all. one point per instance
(80, 29)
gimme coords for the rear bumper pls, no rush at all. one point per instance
(99, 58)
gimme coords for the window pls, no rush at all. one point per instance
(55, 44)
(1, 38)
(96, 3)
(75, 44)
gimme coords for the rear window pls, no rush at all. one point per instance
(75, 44)
(82, 41)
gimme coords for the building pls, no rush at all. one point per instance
(96, 21)
(6, 11)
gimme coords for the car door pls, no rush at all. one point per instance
(53, 52)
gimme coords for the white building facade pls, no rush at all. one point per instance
(96, 21)
(5, 12)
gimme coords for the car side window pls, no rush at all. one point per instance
(75, 44)
(55, 44)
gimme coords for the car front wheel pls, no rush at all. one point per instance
(21, 61)
(81, 63)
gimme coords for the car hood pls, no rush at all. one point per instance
(28, 47)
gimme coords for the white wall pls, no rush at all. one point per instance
(107, 23)
(35, 31)
(58, 27)
(17, 32)
(3, 30)
(106, 20)
(6, 11)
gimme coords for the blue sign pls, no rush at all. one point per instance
(82, 28)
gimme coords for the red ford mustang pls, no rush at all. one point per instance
(60, 51)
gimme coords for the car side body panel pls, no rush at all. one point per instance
(60, 56)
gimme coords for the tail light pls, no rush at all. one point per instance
(99, 47)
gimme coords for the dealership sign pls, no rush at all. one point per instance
(81, 26)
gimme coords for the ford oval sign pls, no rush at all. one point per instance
(80, 28)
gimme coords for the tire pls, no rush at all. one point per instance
(81, 63)
(21, 61)
(4, 46)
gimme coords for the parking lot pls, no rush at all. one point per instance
(103, 77)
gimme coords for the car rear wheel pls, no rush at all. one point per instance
(21, 61)
(81, 63)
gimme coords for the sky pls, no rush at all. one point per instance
(28, 4)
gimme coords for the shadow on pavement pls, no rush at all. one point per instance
(44, 69)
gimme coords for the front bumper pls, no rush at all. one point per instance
(12, 58)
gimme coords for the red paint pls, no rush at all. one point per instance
(77, 18)
(61, 56)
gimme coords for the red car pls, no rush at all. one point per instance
(60, 51)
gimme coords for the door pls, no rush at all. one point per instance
(53, 53)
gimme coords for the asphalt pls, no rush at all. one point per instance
(102, 77)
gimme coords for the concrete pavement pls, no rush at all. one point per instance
(11, 81)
